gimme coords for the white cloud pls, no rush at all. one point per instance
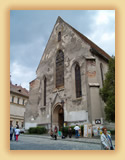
(103, 30)
(21, 75)
(104, 16)
(27, 45)
(23, 67)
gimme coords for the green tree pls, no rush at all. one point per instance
(108, 91)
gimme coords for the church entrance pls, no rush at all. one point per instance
(61, 118)
(58, 116)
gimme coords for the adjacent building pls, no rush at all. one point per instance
(18, 100)
(69, 77)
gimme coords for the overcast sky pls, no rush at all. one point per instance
(30, 31)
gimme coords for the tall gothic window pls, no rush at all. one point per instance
(101, 68)
(45, 91)
(59, 36)
(59, 69)
(78, 81)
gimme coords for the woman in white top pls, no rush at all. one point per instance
(106, 142)
(17, 132)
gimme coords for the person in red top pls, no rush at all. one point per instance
(17, 132)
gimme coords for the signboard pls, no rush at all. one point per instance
(85, 130)
(95, 131)
(97, 121)
(89, 131)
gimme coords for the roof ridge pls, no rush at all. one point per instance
(87, 40)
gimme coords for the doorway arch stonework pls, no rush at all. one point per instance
(58, 116)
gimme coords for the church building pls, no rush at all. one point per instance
(69, 77)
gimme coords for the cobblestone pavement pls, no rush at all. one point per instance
(35, 142)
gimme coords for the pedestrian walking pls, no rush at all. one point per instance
(17, 133)
(14, 132)
(55, 132)
(106, 141)
(11, 132)
(76, 131)
(70, 132)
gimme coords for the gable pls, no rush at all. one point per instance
(53, 44)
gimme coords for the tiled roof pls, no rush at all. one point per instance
(19, 90)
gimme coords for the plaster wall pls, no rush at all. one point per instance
(75, 50)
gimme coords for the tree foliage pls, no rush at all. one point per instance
(108, 91)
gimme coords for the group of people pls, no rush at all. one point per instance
(106, 141)
(53, 133)
(14, 131)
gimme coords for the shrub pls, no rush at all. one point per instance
(37, 130)
(65, 130)
(82, 130)
(73, 130)
(32, 130)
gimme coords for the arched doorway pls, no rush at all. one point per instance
(61, 117)
(58, 116)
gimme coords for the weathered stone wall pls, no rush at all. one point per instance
(75, 51)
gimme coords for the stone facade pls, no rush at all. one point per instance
(62, 106)
(18, 100)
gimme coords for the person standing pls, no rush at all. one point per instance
(11, 132)
(55, 132)
(70, 132)
(14, 133)
(17, 132)
(76, 131)
(106, 141)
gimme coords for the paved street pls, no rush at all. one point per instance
(27, 142)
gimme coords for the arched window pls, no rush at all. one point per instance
(45, 91)
(59, 36)
(59, 69)
(101, 69)
(78, 81)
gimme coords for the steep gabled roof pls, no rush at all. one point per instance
(94, 48)
(93, 45)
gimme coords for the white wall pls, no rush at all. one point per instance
(28, 125)
(76, 116)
